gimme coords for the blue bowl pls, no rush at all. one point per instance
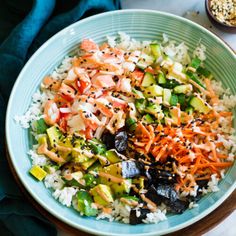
(142, 25)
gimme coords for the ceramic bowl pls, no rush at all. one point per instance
(142, 25)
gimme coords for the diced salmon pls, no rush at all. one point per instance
(104, 107)
(67, 92)
(88, 45)
(51, 113)
(50, 83)
(102, 81)
(137, 77)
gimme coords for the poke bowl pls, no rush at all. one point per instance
(122, 123)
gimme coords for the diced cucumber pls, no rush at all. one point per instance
(166, 96)
(156, 50)
(196, 62)
(161, 78)
(131, 124)
(97, 147)
(142, 64)
(40, 126)
(199, 105)
(173, 100)
(148, 119)
(138, 94)
(54, 135)
(38, 172)
(153, 109)
(193, 76)
(90, 180)
(189, 110)
(182, 100)
(153, 91)
(148, 80)
(203, 71)
(170, 83)
(85, 203)
(140, 104)
(185, 88)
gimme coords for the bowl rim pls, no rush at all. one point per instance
(8, 118)
(208, 9)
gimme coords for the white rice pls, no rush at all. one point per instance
(54, 180)
(65, 195)
(121, 212)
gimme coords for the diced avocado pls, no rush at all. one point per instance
(199, 105)
(161, 78)
(96, 166)
(185, 88)
(78, 157)
(38, 172)
(166, 96)
(42, 139)
(85, 203)
(130, 200)
(148, 119)
(156, 50)
(173, 100)
(120, 189)
(40, 126)
(203, 71)
(138, 94)
(196, 62)
(189, 110)
(54, 135)
(112, 156)
(131, 124)
(153, 91)
(140, 104)
(85, 165)
(97, 146)
(194, 77)
(114, 169)
(148, 80)
(102, 194)
(139, 181)
(77, 179)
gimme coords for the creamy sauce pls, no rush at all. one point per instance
(43, 149)
(129, 202)
(111, 177)
(151, 205)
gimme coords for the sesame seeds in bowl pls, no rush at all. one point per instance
(222, 13)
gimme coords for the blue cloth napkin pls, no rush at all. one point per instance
(24, 26)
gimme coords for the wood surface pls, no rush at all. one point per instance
(197, 229)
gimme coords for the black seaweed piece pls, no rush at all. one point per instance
(134, 220)
(178, 206)
(202, 183)
(159, 176)
(168, 195)
(130, 169)
(109, 140)
(121, 141)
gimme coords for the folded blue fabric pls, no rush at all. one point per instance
(17, 216)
